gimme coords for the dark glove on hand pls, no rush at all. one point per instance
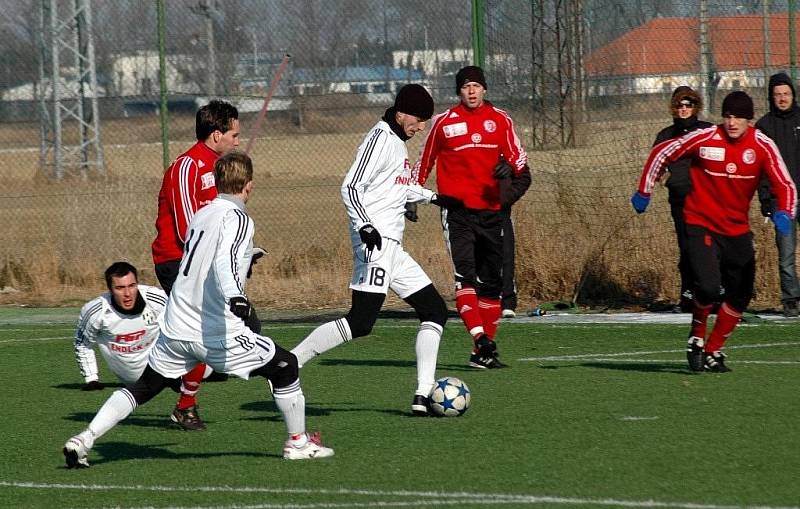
(370, 237)
(241, 307)
(94, 385)
(783, 222)
(258, 253)
(767, 208)
(503, 170)
(447, 202)
(411, 212)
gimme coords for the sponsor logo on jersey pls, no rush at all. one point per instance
(453, 130)
(749, 156)
(403, 180)
(207, 181)
(730, 167)
(712, 153)
(453, 115)
(201, 164)
(716, 137)
(489, 126)
(476, 138)
(131, 336)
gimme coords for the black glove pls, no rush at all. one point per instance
(503, 170)
(94, 385)
(241, 307)
(767, 208)
(370, 237)
(411, 212)
(447, 202)
(258, 253)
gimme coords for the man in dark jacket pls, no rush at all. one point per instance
(782, 124)
(685, 105)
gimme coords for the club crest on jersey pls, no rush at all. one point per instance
(453, 130)
(730, 167)
(476, 138)
(749, 156)
(489, 126)
(712, 153)
(207, 181)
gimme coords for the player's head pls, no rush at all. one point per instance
(685, 103)
(471, 86)
(217, 124)
(781, 92)
(413, 106)
(122, 281)
(233, 174)
(737, 112)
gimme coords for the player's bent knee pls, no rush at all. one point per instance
(149, 385)
(282, 370)
(429, 305)
(360, 324)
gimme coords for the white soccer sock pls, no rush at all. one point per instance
(428, 337)
(323, 338)
(293, 408)
(116, 408)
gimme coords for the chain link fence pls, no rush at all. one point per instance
(586, 81)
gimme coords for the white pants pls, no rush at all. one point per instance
(391, 268)
(239, 356)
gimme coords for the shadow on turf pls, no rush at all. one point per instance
(386, 363)
(268, 407)
(107, 452)
(644, 367)
(77, 387)
(145, 421)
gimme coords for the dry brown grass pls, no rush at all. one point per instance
(575, 227)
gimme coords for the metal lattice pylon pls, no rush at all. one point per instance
(68, 92)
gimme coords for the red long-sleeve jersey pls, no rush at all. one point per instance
(466, 145)
(725, 173)
(187, 186)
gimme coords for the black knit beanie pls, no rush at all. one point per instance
(414, 100)
(738, 104)
(470, 73)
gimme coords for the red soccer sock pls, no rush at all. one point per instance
(700, 319)
(468, 307)
(490, 315)
(190, 384)
(727, 319)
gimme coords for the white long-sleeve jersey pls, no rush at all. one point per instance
(216, 257)
(379, 184)
(124, 340)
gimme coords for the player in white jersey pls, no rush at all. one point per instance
(375, 192)
(204, 322)
(123, 325)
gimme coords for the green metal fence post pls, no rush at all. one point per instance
(162, 80)
(478, 32)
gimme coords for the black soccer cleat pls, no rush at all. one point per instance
(420, 405)
(188, 419)
(476, 360)
(694, 354)
(715, 362)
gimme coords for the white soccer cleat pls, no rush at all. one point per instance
(312, 449)
(75, 452)
(509, 313)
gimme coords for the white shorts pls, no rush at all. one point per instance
(239, 356)
(391, 267)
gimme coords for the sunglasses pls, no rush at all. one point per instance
(686, 104)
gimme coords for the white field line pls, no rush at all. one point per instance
(436, 498)
(27, 340)
(606, 356)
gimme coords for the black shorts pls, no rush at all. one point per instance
(721, 261)
(475, 241)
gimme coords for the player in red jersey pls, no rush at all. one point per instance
(727, 162)
(479, 161)
(187, 186)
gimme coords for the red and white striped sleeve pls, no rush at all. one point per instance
(667, 152)
(184, 187)
(512, 149)
(780, 181)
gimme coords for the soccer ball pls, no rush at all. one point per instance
(449, 397)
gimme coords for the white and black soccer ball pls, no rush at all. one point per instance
(450, 397)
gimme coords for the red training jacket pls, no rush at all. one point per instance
(725, 174)
(466, 145)
(188, 186)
